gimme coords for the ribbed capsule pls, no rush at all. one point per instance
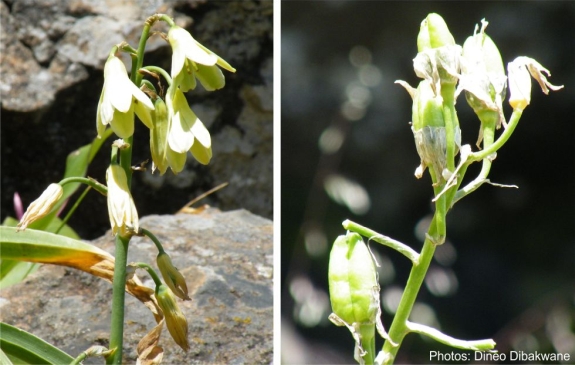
(352, 280)
(429, 130)
(434, 33)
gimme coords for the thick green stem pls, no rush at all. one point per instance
(122, 243)
(118, 298)
(399, 327)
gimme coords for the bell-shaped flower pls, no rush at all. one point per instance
(483, 79)
(520, 82)
(191, 60)
(121, 207)
(119, 100)
(40, 207)
(175, 319)
(186, 132)
(172, 276)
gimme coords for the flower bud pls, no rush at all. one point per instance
(433, 33)
(159, 136)
(353, 281)
(173, 278)
(40, 207)
(121, 207)
(175, 319)
(438, 56)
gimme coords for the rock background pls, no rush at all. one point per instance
(52, 55)
(227, 261)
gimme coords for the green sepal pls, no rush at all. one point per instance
(211, 77)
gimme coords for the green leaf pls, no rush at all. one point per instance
(24, 348)
(38, 246)
(11, 271)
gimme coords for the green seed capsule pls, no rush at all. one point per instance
(434, 33)
(427, 108)
(352, 280)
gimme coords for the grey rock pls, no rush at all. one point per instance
(226, 258)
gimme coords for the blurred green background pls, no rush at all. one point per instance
(508, 268)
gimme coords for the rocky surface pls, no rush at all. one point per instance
(226, 258)
(52, 53)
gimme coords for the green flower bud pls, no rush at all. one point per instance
(173, 278)
(175, 319)
(438, 58)
(353, 281)
(434, 33)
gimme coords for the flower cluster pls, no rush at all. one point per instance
(449, 69)
(174, 128)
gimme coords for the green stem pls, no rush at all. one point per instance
(100, 188)
(399, 328)
(477, 345)
(154, 239)
(151, 271)
(490, 147)
(122, 243)
(384, 240)
(160, 71)
(480, 155)
(118, 298)
(73, 209)
(79, 359)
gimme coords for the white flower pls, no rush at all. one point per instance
(121, 208)
(119, 100)
(186, 132)
(520, 82)
(191, 60)
(40, 207)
